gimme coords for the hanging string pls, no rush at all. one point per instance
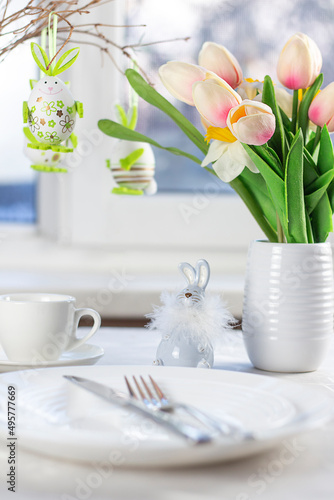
(53, 39)
(43, 45)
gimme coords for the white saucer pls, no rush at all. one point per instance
(86, 354)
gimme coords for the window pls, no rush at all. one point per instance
(17, 180)
(254, 31)
(78, 208)
(95, 231)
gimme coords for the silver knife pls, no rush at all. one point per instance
(121, 399)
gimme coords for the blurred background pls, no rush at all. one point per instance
(67, 232)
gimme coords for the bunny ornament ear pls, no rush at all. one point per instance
(188, 271)
(202, 273)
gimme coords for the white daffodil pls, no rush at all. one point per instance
(227, 155)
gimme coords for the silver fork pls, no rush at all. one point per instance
(159, 400)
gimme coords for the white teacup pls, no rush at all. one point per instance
(39, 327)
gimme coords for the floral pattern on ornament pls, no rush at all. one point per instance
(51, 137)
(33, 123)
(48, 108)
(67, 124)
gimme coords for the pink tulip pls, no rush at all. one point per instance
(179, 78)
(213, 100)
(321, 111)
(218, 59)
(251, 122)
(299, 63)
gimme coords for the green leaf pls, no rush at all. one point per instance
(59, 67)
(309, 229)
(310, 169)
(321, 220)
(306, 102)
(270, 156)
(258, 189)
(326, 160)
(316, 190)
(310, 144)
(127, 162)
(274, 184)
(247, 195)
(146, 92)
(39, 55)
(277, 142)
(285, 119)
(114, 129)
(294, 192)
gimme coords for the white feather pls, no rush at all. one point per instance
(202, 322)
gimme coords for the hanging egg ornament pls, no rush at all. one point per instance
(132, 165)
(51, 111)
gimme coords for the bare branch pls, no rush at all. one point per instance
(27, 23)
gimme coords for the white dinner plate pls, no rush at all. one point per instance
(59, 419)
(85, 354)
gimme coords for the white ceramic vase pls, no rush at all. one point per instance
(288, 305)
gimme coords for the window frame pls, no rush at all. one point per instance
(78, 208)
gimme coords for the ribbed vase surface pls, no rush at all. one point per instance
(288, 305)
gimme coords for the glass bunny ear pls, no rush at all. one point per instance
(202, 273)
(40, 57)
(188, 271)
(65, 61)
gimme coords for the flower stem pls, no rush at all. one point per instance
(316, 138)
(294, 111)
(280, 233)
(254, 208)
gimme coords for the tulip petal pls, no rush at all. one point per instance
(251, 122)
(213, 101)
(179, 77)
(218, 59)
(321, 110)
(299, 63)
(284, 100)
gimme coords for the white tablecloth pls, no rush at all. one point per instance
(309, 475)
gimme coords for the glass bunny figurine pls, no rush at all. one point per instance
(184, 340)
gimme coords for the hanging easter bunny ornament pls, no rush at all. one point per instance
(51, 110)
(132, 164)
(189, 321)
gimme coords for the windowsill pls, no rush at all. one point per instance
(119, 283)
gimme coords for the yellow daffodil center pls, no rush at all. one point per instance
(220, 134)
(250, 80)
